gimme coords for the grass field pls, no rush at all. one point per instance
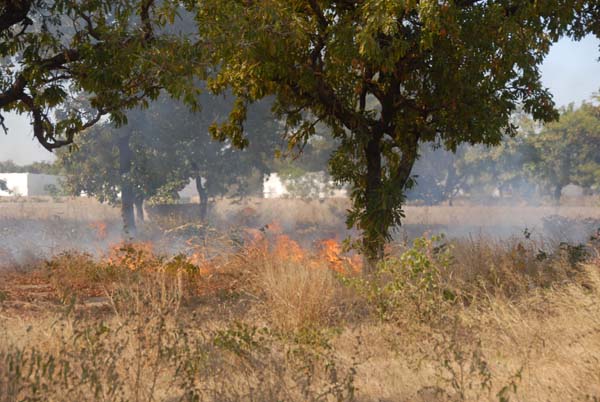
(282, 314)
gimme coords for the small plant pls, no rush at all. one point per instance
(461, 364)
(511, 388)
(411, 283)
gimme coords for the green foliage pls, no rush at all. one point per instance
(93, 167)
(35, 167)
(482, 169)
(384, 77)
(409, 285)
(68, 63)
(568, 151)
(170, 145)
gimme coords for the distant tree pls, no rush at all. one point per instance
(218, 167)
(102, 165)
(500, 168)
(568, 151)
(304, 169)
(160, 149)
(35, 167)
(450, 72)
(438, 174)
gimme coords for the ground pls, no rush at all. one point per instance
(263, 309)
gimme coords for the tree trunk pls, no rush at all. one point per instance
(451, 180)
(203, 198)
(139, 208)
(383, 208)
(557, 193)
(373, 225)
(127, 191)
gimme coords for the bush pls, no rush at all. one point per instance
(410, 285)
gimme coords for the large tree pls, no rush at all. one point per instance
(386, 76)
(110, 55)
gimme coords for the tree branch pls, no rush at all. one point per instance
(146, 21)
(13, 12)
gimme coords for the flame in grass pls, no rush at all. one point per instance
(133, 256)
(141, 256)
(331, 251)
(100, 229)
(286, 248)
(271, 242)
(200, 260)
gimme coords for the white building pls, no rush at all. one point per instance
(273, 187)
(310, 185)
(27, 184)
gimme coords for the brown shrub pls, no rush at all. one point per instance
(297, 296)
(511, 267)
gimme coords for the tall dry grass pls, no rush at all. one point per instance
(81, 209)
(441, 320)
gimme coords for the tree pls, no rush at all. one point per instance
(107, 55)
(501, 167)
(385, 76)
(35, 167)
(218, 167)
(438, 174)
(161, 148)
(304, 169)
(568, 151)
(102, 165)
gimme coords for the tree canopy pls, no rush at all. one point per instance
(66, 63)
(162, 148)
(386, 76)
(568, 151)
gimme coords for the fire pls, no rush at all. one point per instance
(270, 241)
(133, 256)
(200, 260)
(331, 251)
(100, 229)
(287, 248)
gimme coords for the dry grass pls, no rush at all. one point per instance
(478, 215)
(443, 320)
(297, 296)
(287, 328)
(81, 209)
(328, 212)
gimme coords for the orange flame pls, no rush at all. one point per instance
(287, 248)
(133, 256)
(200, 259)
(331, 251)
(100, 229)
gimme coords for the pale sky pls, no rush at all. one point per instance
(571, 71)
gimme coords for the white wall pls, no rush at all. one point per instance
(311, 185)
(273, 187)
(37, 184)
(27, 184)
(16, 184)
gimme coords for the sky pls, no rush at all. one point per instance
(571, 71)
